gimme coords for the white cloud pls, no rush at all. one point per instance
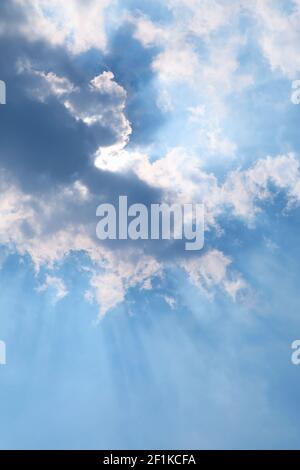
(217, 71)
(181, 176)
(279, 35)
(203, 17)
(76, 24)
(171, 301)
(220, 145)
(120, 275)
(198, 51)
(25, 227)
(211, 271)
(109, 291)
(58, 85)
(148, 33)
(56, 285)
(50, 83)
(244, 189)
(28, 225)
(102, 102)
(277, 27)
(177, 63)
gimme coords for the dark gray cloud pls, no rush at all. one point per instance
(41, 144)
(45, 148)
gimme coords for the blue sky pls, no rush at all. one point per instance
(144, 345)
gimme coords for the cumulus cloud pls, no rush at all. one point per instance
(279, 33)
(217, 67)
(31, 227)
(77, 24)
(181, 176)
(103, 102)
(73, 153)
